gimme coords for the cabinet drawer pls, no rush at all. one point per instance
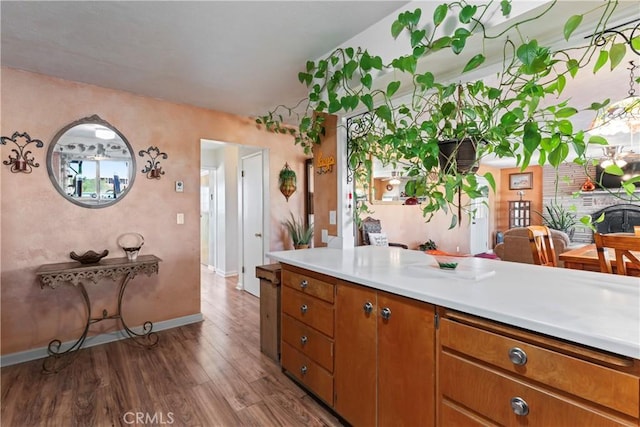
(308, 341)
(309, 373)
(489, 393)
(309, 310)
(307, 284)
(606, 386)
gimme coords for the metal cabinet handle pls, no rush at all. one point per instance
(303, 370)
(517, 356)
(367, 307)
(304, 308)
(303, 340)
(385, 313)
(519, 406)
(304, 284)
(258, 234)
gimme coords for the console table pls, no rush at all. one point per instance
(76, 274)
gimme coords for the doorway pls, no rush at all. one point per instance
(479, 227)
(228, 254)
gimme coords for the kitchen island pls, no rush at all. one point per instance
(564, 340)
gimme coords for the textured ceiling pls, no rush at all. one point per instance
(240, 57)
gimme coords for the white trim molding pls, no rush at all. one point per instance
(41, 353)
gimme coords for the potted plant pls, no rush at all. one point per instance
(504, 118)
(287, 181)
(557, 217)
(300, 233)
(429, 245)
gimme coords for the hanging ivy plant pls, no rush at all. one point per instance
(520, 116)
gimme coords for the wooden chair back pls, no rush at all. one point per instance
(622, 245)
(542, 245)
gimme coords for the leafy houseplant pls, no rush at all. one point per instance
(559, 218)
(410, 112)
(428, 245)
(299, 232)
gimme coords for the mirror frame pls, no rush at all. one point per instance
(95, 119)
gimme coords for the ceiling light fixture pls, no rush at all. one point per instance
(105, 133)
(612, 156)
(622, 116)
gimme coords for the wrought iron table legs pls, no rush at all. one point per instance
(57, 359)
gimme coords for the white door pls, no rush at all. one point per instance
(252, 232)
(479, 228)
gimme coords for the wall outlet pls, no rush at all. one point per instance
(179, 186)
(332, 218)
(325, 236)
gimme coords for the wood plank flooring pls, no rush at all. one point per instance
(206, 374)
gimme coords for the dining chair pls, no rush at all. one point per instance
(542, 245)
(622, 245)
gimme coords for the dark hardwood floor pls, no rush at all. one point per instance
(206, 374)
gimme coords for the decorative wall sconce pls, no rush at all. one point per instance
(287, 180)
(152, 167)
(325, 164)
(23, 161)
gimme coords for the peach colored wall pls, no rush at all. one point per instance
(38, 226)
(406, 224)
(505, 195)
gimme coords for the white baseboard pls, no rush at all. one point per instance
(211, 268)
(226, 273)
(40, 353)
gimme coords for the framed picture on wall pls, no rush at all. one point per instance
(520, 181)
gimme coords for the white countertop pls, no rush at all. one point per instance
(594, 309)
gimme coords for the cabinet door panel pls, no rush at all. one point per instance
(489, 393)
(308, 341)
(406, 369)
(308, 284)
(355, 371)
(309, 373)
(606, 386)
(309, 310)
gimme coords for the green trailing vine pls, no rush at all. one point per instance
(408, 118)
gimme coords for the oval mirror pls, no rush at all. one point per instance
(91, 163)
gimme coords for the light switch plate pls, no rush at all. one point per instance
(180, 218)
(179, 186)
(332, 217)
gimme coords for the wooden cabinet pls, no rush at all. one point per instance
(516, 377)
(519, 213)
(384, 363)
(308, 318)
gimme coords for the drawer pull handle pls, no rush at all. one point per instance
(304, 284)
(303, 370)
(367, 307)
(304, 308)
(303, 340)
(519, 406)
(385, 313)
(517, 356)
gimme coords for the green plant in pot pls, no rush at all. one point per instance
(557, 217)
(287, 181)
(299, 232)
(410, 115)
